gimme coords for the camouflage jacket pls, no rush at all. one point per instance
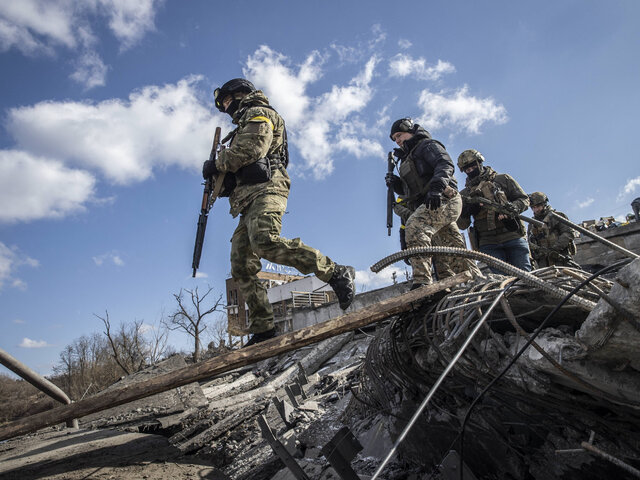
(500, 188)
(260, 133)
(554, 237)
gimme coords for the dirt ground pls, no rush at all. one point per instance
(98, 454)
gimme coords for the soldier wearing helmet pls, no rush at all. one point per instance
(494, 232)
(256, 159)
(430, 201)
(554, 243)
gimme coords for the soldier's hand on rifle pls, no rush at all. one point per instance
(433, 200)
(209, 169)
(391, 180)
(399, 153)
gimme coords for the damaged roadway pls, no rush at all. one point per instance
(578, 383)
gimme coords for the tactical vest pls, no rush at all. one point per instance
(547, 237)
(413, 175)
(489, 190)
(262, 169)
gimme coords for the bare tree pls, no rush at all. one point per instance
(191, 318)
(130, 349)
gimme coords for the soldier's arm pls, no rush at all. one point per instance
(566, 234)
(251, 143)
(515, 194)
(442, 165)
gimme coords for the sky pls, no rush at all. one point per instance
(106, 116)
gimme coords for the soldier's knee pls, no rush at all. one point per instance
(263, 243)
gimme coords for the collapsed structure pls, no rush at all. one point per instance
(543, 390)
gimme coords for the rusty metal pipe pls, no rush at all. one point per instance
(37, 381)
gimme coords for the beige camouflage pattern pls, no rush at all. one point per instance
(426, 228)
(258, 236)
(260, 132)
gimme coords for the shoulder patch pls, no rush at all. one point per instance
(261, 119)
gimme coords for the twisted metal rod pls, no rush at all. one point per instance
(526, 277)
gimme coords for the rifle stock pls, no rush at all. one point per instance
(211, 191)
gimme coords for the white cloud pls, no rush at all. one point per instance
(37, 26)
(41, 26)
(90, 70)
(28, 343)
(33, 187)
(317, 126)
(459, 111)
(11, 259)
(629, 187)
(367, 280)
(404, 43)
(19, 321)
(130, 21)
(124, 140)
(585, 203)
(404, 65)
(109, 257)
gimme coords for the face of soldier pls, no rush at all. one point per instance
(226, 101)
(401, 137)
(472, 171)
(537, 208)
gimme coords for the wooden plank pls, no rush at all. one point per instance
(230, 361)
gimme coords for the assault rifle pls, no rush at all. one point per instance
(391, 198)
(554, 253)
(212, 188)
(507, 209)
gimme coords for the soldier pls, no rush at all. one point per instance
(552, 244)
(257, 159)
(635, 205)
(496, 233)
(430, 202)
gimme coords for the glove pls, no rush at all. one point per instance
(469, 209)
(433, 200)
(399, 153)
(391, 180)
(209, 169)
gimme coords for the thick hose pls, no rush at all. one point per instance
(509, 269)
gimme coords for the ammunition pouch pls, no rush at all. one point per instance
(259, 171)
(228, 185)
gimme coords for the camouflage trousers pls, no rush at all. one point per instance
(258, 236)
(426, 228)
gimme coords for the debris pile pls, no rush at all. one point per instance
(554, 391)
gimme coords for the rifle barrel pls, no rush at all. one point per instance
(595, 236)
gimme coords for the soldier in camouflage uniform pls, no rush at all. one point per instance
(430, 203)
(257, 159)
(496, 234)
(552, 244)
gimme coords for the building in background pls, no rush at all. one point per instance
(286, 288)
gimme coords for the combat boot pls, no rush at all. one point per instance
(260, 337)
(342, 282)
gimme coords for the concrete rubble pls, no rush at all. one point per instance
(579, 381)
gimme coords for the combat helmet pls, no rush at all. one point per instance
(538, 198)
(236, 85)
(402, 125)
(466, 158)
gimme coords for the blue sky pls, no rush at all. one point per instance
(106, 117)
